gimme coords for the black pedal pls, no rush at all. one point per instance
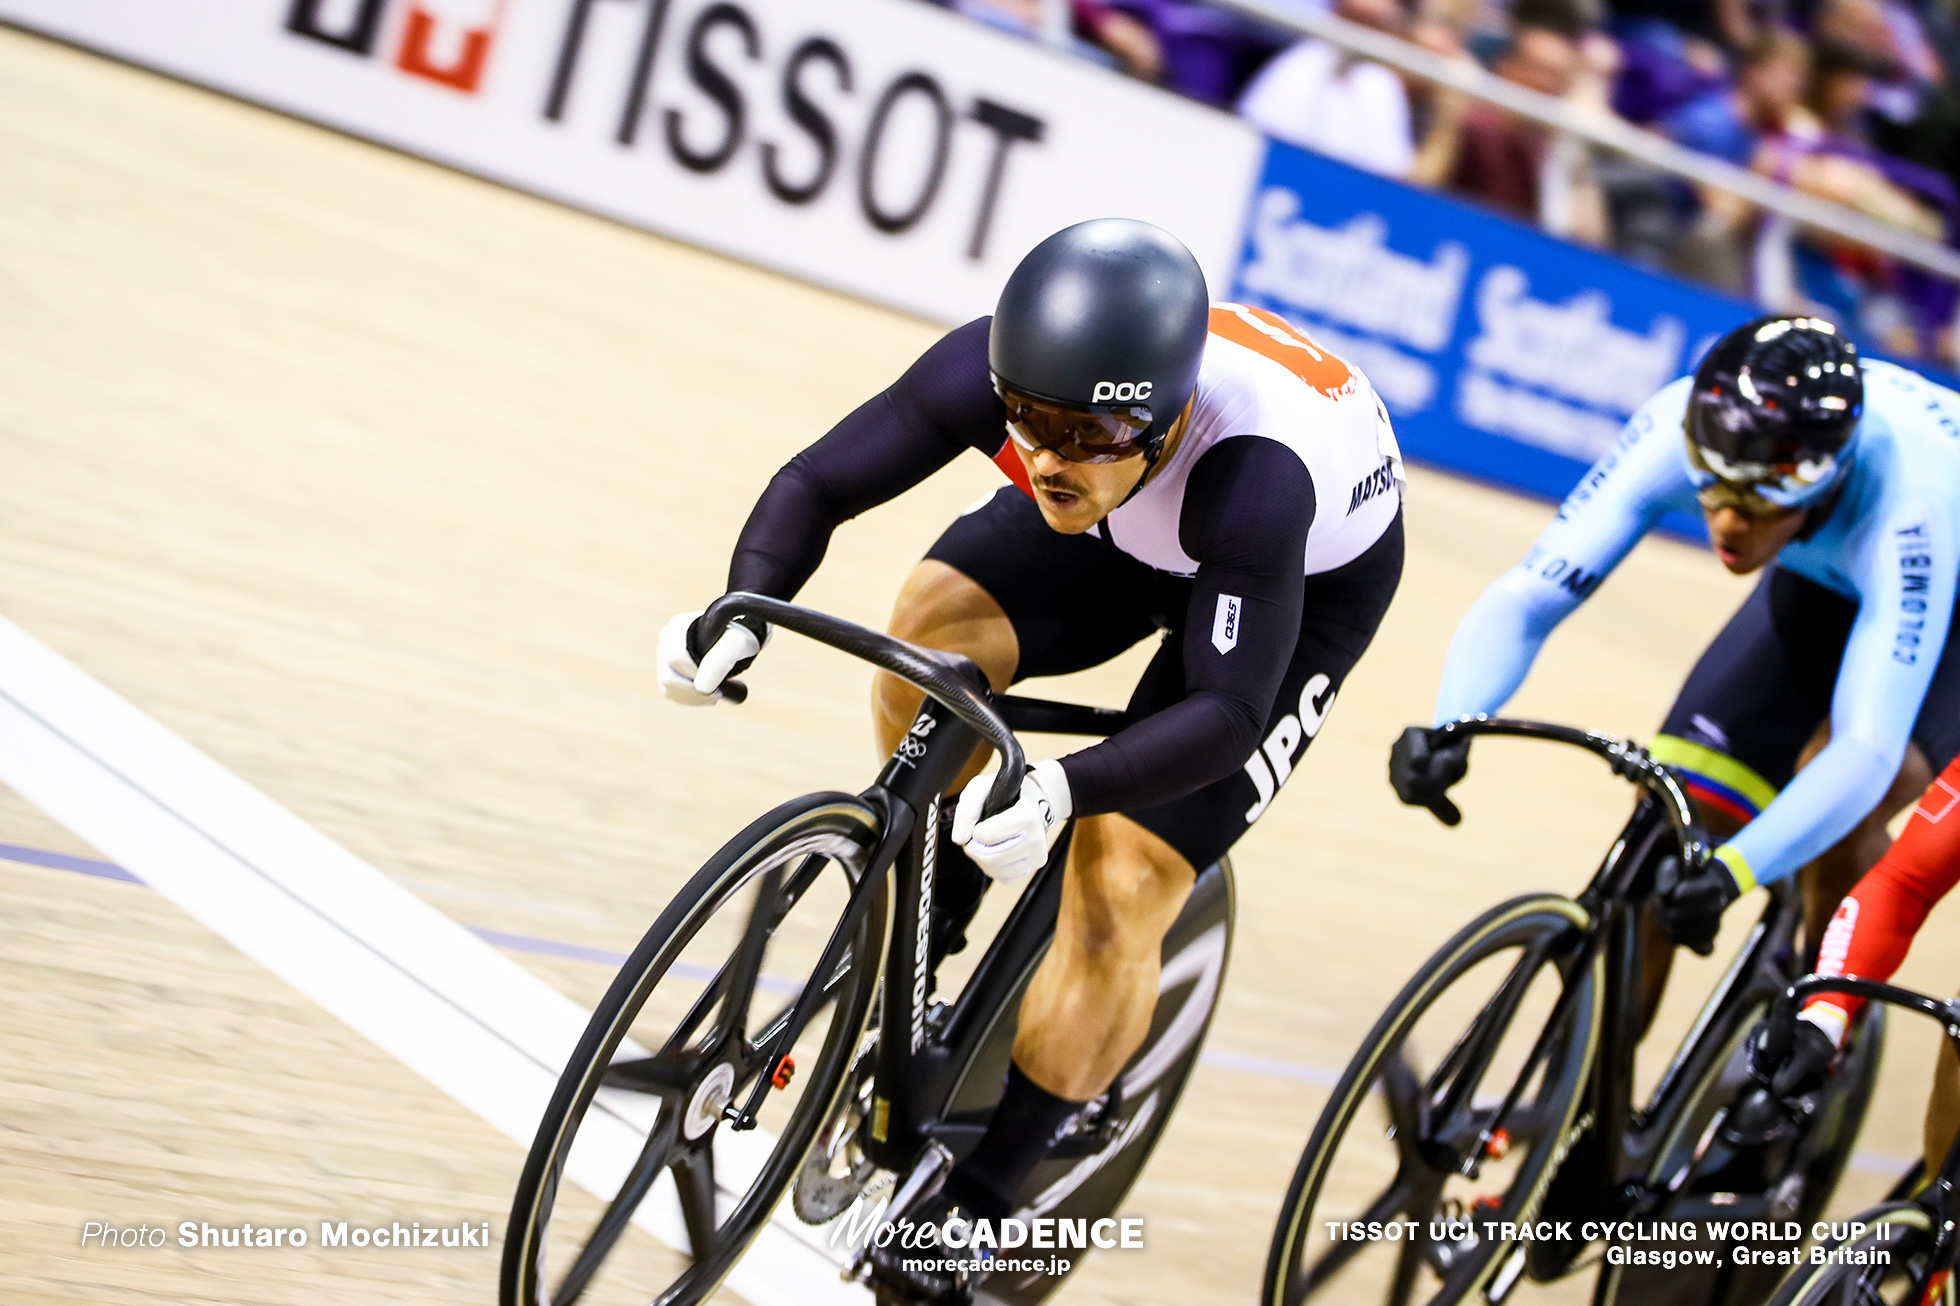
(1094, 1128)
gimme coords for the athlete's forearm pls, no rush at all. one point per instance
(786, 534)
(867, 459)
(1168, 754)
(1906, 599)
(943, 404)
(1612, 506)
(1494, 646)
(1816, 809)
(1230, 681)
(1886, 914)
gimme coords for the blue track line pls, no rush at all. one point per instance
(1866, 1162)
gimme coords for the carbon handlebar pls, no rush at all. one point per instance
(1784, 1013)
(937, 674)
(1629, 761)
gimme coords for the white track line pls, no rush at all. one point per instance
(425, 990)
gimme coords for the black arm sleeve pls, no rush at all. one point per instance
(1247, 509)
(944, 403)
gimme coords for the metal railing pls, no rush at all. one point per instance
(1602, 131)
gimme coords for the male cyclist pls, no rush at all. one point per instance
(1841, 482)
(1207, 471)
(1868, 937)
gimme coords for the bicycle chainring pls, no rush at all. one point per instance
(837, 1172)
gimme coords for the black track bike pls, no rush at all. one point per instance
(1903, 1251)
(1497, 1092)
(772, 1054)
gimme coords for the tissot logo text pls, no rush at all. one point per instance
(722, 87)
(443, 41)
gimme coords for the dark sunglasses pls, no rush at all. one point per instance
(1102, 433)
(1761, 491)
(1743, 498)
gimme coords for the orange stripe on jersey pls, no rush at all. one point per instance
(1272, 336)
(1017, 471)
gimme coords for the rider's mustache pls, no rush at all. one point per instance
(1060, 485)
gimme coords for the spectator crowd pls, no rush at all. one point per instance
(1850, 100)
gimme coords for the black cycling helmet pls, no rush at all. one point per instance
(1774, 406)
(1096, 342)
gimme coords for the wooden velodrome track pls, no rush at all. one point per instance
(376, 482)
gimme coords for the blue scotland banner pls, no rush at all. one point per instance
(1501, 352)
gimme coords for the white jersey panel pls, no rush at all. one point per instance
(1344, 440)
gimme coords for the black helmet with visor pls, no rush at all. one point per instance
(1770, 419)
(1097, 339)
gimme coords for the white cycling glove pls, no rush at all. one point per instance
(700, 685)
(1015, 842)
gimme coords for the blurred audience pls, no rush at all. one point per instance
(1830, 154)
(1848, 100)
(1499, 158)
(1188, 47)
(1208, 53)
(1731, 121)
(1314, 96)
(1514, 164)
(1128, 38)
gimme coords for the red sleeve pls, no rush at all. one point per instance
(1875, 924)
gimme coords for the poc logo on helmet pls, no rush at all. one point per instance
(1120, 392)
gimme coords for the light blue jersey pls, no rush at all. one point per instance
(1891, 544)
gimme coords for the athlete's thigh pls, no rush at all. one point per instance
(942, 608)
(1074, 601)
(1121, 876)
(1737, 729)
(1343, 609)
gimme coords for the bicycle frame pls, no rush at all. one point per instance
(917, 1068)
(938, 1071)
(1630, 1139)
(954, 716)
(1637, 1135)
(914, 1071)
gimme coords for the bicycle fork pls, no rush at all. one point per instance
(922, 767)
